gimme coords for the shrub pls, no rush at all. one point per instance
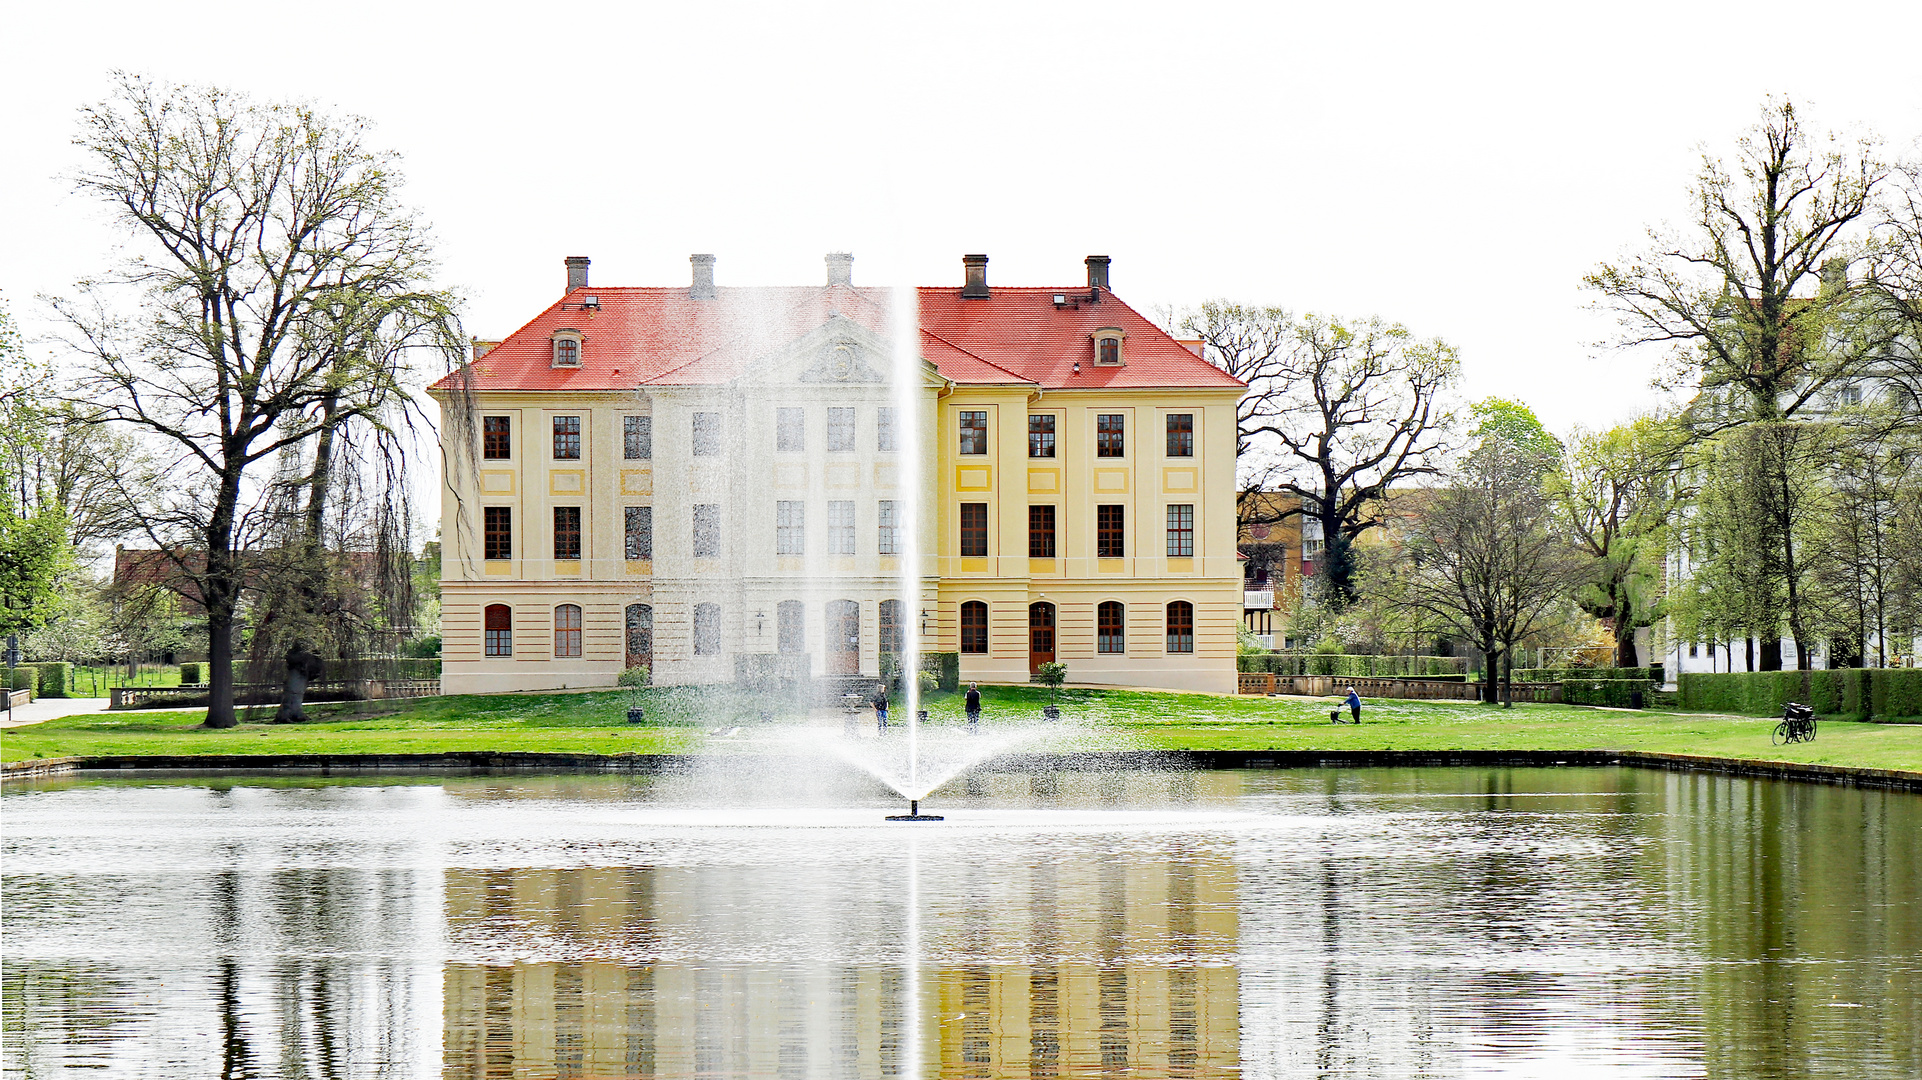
(638, 675)
(1562, 674)
(946, 666)
(1871, 694)
(25, 677)
(56, 679)
(930, 682)
(425, 648)
(1615, 693)
(1051, 675)
(192, 674)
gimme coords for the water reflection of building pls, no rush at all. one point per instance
(1066, 963)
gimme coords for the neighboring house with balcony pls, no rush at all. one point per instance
(713, 480)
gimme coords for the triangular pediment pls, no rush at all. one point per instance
(841, 352)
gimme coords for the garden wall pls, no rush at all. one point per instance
(1353, 665)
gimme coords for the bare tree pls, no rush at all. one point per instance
(1252, 344)
(1484, 558)
(1738, 292)
(259, 224)
(1894, 287)
(1357, 407)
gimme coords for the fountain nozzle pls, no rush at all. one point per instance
(914, 813)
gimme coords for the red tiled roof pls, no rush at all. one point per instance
(660, 336)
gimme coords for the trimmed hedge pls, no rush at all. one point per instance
(25, 677)
(56, 679)
(192, 674)
(1549, 674)
(1352, 665)
(1616, 693)
(1887, 693)
(946, 666)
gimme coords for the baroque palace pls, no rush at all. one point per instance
(715, 482)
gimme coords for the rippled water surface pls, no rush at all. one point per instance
(1316, 923)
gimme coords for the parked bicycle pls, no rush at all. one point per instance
(1798, 724)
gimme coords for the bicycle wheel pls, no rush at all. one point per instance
(1782, 734)
(1809, 735)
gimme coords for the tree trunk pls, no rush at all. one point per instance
(220, 594)
(1489, 675)
(1624, 633)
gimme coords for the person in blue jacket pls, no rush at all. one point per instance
(1354, 705)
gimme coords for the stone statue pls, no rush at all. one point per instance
(303, 667)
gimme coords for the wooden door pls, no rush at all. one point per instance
(844, 638)
(1040, 635)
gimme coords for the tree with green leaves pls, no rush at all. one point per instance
(1617, 493)
(276, 290)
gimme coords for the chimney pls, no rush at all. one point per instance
(1098, 271)
(1835, 275)
(840, 268)
(976, 267)
(703, 287)
(576, 272)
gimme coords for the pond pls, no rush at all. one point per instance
(1266, 923)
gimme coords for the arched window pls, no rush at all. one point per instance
(498, 626)
(707, 629)
(790, 624)
(1111, 635)
(567, 630)
(640, 635)
(1181, 627)
(891, 633)
(974, 627)
(1107, 345)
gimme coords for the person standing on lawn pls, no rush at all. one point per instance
(974, 707)
(881, 708)
(1354, 705)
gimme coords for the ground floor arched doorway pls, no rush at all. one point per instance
(844, 638)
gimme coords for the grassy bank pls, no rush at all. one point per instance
(681, 721)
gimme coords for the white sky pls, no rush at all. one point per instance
(1454, 168)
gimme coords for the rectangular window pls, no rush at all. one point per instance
(1110, 631)
(1109, 531)
(707, 530)
(497, 532)
(499, 626)
(1181, 434)
(637, 437)
(974, 432)
(974, 627)
(707, 629)
(1181, 530)
(707, 433)
(1041, 435)
(567, 532)
(497, 438)
(567, 438)
(884, 428)
(1041, 531)
(790, 527)
(974, 530)
(840, 527)
(840, 429)
(1109, 434)
(890, 542)
(790, 430)
(640, 532)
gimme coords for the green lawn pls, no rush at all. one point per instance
(681, 719)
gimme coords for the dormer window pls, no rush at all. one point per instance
(567, 348)
(1107, 346)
